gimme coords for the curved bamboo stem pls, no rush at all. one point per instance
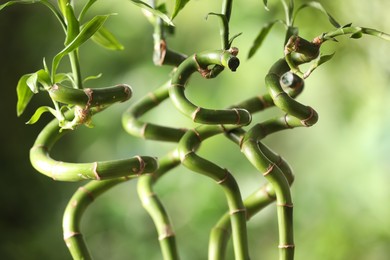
(187, 146)
(77, 205)
(136, 127)
(200, 62)
(66, 171)
(155, 208)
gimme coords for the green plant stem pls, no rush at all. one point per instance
(90, 97)
(155, 208)
(74, 211)
(253, 148)
(136, 127)
(65, 171)
(352, 30)
(187, 147)
(76, 71)
(200, 62)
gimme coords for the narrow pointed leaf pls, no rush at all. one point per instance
(85, 9)
(155, 12)
(265, 2)
(32, 83)
(179, 5)
(86, 33)
(92, 77)
(9, 3)
(24, 94)
(72, 24)
(318, 6)
(261, 37)
(357, 35)
(106, 39)
(40, 77)
(318, 62)
(37, 115)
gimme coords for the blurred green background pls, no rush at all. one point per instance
(342, 167)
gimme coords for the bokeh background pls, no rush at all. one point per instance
(342, 164)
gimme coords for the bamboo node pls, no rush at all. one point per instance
(70, 234)
(88, 192)
(95, 172)
(286, 246)
(305, 122)
(221, 181)
(141, 165)
(168, 232)
(287, 205)
(238, 116)
(235, 211)
(194, 114)
(269, 169)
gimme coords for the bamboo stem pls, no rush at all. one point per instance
(136, 127)
(200, 62)
(155, 208)
(77, 205)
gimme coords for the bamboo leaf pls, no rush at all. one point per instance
(155, 12)
(106, 39)
(265, 2)
(24, 94)
(261, 37)
(38, 113)
(9, 3)
(85, 9)
(72, 24)
(40, 77)
(179, 5)
(86, 33)
(319, 61)
(357, 35)
(32, 83)
(92, 77)
(318, 6)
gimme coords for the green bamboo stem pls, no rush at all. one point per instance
(74, 211)
(273, 174)
(76, 71)
(200, 62)
(65, 171)
(155, 208)
(90, 97)
(285, 102)
(136, 127)
(162, 55)
(353, 31)
(187, 146)
(293, 86)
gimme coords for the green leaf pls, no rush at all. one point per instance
(319, 61)
(318, 6)
(106, 39)
(179, 5)
(32, 83)
(265, 2)
(150, 9)
(85, 9)
(39, 77)
(357, 35)
(92, 77)
(35, 117)
(72, 24)
(9, 3)
(261, 37)
(24, 94)
(86, 33)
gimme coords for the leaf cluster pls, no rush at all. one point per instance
(77, 32)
